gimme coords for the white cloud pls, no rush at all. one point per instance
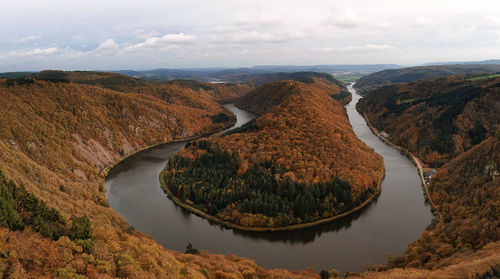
(493, 20)
(29, 38)
(262, 19)
(238, 33)
(35, 52)
(262, 37)
(359, 48)
(422, 22)
(163, 43)
(141, 34)
(349, 19)
(108, 45)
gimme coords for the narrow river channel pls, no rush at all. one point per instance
(387, 225)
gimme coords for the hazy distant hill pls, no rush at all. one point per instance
(385, 77)
(491, 61)
(246, 74)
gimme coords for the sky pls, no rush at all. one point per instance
(150, 34)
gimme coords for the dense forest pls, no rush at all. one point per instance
(298, 161)
(20, 209)
(393, 76)
(262, 196)
(438, 119)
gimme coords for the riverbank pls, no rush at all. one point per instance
(104, 172)
(410, 155)
(230, 225)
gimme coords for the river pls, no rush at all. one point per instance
(398, 216)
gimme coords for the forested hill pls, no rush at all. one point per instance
(306, 77)
(452, 121)
(180, 90)
(391, 76)
(467, 192)
(273, 93)
(438, 119)
(299, 161)
(55, 138)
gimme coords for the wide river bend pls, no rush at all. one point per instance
(387, 225)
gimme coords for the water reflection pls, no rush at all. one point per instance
(307, 235)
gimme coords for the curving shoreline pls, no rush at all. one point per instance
(387, 224)
(104, 172)
(410, 155)
(230, 225)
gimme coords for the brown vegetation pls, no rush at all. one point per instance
(302, 130)
(436, 119)
(467, 192)
(55, 137)
(459, 118)
(392, 76)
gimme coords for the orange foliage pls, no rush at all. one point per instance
(63, 134)
(305, 131)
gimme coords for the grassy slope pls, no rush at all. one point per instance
(55, 134)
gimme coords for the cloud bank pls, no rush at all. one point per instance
(175, 34)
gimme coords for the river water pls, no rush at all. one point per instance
(387, 225)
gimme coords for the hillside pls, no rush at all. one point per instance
(461, 114)
(306, 77)
(174, 91)
(55, 138)
(220, 92)
(437, 119)
(298, 162)
(466, 244)
(259, 101)
(391, 76)
(467, 191)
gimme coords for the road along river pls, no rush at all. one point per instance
(397, 217)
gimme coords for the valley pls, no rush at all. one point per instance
(249, 139)
(383, 226)
(60, 157)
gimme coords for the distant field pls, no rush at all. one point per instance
(406, 101)
(349, 78)
(485, 77)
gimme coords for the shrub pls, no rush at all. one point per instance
(324, 274)
(191, 250)
(81, 229)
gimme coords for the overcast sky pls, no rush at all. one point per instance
(147, 34)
